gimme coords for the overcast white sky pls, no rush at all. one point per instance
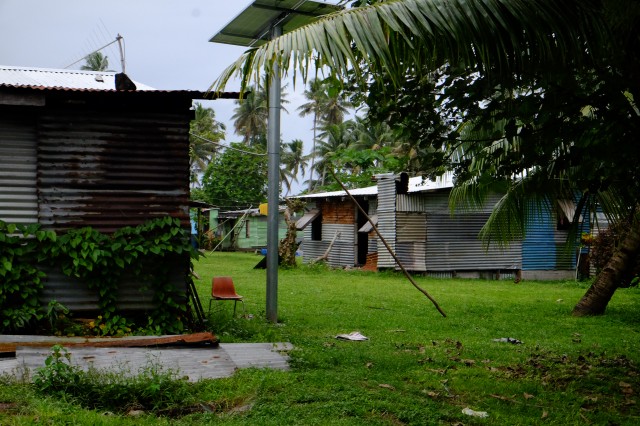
(167, 44)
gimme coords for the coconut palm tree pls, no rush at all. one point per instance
(96, 61)
(250, 117)
(507, 42)
(328, 105)
(251, 114)
(333, 139)
(315, 95)
(294, 160)
(205, 132)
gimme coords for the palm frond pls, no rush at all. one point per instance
(507, 35)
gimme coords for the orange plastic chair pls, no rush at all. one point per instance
(222, 288)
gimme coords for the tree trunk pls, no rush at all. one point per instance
(595, 300)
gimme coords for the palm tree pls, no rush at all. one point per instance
(294, 160)
(250, 117)
(501, 39)
(328, 106)
(96, 61)
(315, 95)
(251, 114)
(333, 139)
(205, 132)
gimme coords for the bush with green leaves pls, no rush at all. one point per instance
(20, 281)
(152, 388)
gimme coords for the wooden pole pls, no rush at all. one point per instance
(389, 249)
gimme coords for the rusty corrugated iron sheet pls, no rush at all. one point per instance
(110, 170)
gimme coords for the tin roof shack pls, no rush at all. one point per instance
(332, 221)
(414, 218)
(246, 230)
(75, 152)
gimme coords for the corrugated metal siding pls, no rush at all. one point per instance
(347, 233)
(411, 227)
(110, 170)
(386, 220)
(311, 250)
(373, 245)
(412, 255)
(18, 169)
(543, 246)
(76, 296)
(342, 254)
(257, 232)
(452, 244)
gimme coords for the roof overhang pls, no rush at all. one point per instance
(305, 220)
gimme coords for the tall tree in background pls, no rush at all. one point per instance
(236, 178)
(328, 105)
(572, 58)
(294, 160)
(205, 134)
(250, 117)
(96, 61)
(251, 114)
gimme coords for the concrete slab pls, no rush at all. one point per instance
(194, 363)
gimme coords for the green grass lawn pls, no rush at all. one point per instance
(417, 367)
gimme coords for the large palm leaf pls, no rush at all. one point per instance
(503, 35)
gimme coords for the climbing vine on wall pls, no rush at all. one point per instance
(139, 254)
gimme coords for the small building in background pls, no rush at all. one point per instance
(240, 230)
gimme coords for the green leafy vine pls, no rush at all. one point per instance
(144, 254)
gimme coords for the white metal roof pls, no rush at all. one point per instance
(416, 184)
(60, 78)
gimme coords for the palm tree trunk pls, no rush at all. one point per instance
(313, 150)
(595, 300)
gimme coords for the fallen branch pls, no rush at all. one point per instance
(325, 256)
(391, 252)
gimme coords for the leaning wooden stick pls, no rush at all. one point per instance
(375, 228)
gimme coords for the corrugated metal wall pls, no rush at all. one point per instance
(109, 169)
(132, 296)
(18, 169)
(343, 251)
(311, 250)
(453, 245)
(543, 248)
(386, 219)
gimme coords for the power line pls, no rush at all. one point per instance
(229, 147)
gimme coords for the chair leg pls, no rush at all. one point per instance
(210, 301)
(235, 302)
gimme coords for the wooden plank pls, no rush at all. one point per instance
(9, 343)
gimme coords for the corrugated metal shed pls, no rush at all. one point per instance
(75, 153)
(541, 248)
